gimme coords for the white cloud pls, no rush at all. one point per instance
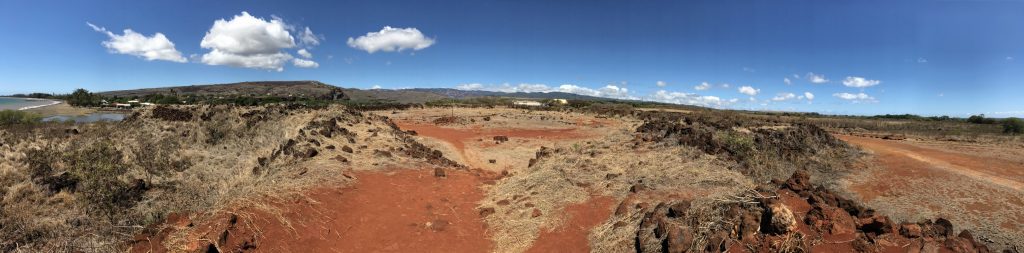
(922, 60)
(749, 90)
(689, 99)
(1009, 58)
(816, 78)
(469, 86)
(787, 81)
(304, 53)
(854, 97)
(391, 39)
(703, 86)
(725, 85)
(156, 47)
(307, 37)
(614, 91)
(608, 91)
(859, 82)
(751, 70)
(375, 87)
(249, 42)
(661, 83)
(808, 95)
(784, 96)
(303, 63)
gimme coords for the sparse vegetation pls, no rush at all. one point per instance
(12, 117)
(1013, 126)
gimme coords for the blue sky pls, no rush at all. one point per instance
(925, 57)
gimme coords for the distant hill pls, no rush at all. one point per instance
(312, 89)
(317, 89)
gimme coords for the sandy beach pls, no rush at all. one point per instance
(60, 108)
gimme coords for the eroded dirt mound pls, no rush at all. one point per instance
(762, 150)
(796, 217)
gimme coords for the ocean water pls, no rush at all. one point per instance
(7, 103)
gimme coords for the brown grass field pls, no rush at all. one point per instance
(602, 178)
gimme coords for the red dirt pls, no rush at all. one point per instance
(997, 171)
(410, 210)
(458, 137)
(970, 190)
(572, 236)
(395, 211)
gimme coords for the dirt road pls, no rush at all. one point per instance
(913, 182)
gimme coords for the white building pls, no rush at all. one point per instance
(526, 103)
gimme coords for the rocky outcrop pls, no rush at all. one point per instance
(795, 217)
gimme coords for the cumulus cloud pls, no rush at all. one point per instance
(725, 85)
(375, 87)
(661, 83)
(859, 82)
(249, 42)
(703, 86)
(391, 39)
(787, 81)
(816, 78)
(156, 47)
(303, 63)
(689, 99)
(784, 96)
(749, 90)
(808, 95)
(858, 97)
(922, 60)
(614, 91)
(305, 53)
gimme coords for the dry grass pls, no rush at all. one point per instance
(208, 163)
(572, 173)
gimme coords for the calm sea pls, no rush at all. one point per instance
(7, 103)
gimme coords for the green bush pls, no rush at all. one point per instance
(12, 117)
(1013, 126)
(82, 97)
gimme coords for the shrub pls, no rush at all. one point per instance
(1013, 126)
(980, 119)
(98, 168)
(11, 117)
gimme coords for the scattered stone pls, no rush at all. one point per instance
(500, 138)
(439, 172)
(346, 149)
(484, 212)
(492, 161)
(536, 213)
(910, 230)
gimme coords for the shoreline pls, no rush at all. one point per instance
(52, 102)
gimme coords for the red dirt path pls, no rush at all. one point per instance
(402, 211)
(572, 236)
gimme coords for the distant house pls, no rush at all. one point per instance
(120, 105)
(146, 104)
(526, 103)
(136, 101)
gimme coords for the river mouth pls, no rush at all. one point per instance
(88, 118)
